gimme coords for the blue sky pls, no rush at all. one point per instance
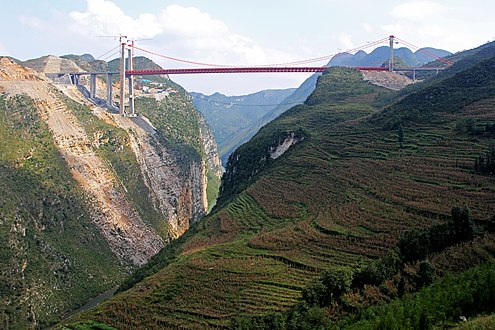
(239, 32)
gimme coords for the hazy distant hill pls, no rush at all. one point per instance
(423, 58)
(235, 119)
(380, 55)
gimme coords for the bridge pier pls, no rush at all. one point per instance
(74, 79)
(109, 89)
(92, 86)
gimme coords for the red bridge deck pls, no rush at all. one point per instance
(240, 70)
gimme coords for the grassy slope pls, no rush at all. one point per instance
(53, 259)
(340, 197)
(178, 122)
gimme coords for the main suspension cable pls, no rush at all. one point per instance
(312, 60)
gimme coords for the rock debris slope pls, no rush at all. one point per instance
(128, 236)
(114, 215)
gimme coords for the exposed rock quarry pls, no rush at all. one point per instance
(52, 64)
(390, 80)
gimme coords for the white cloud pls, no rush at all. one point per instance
(191, 34)
(395, 29)
(190, 22)
(104, 17)
(368, 28)
(417, 10)
(31, 21)
(345, 40)
(192, 30)
(429, 23)
(420, 33)
(178, 32)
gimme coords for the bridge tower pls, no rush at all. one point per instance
(391, 55)
(129, 47)
(122, 75)
(131, 80)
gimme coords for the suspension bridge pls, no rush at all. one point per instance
(128, 47)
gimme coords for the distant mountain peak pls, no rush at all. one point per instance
(380, 55)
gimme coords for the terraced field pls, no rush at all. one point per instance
(339, 198)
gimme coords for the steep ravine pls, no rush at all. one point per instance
(174, 188)
(181, 200)
(182, 189)
(179, 195)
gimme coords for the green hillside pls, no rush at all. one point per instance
(235, 119)
(367, 167)
(53, 258)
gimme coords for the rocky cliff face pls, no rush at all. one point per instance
(210, 147)
(178, 194)
(178, 191)
(138, 192)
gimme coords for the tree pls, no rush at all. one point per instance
(315, 294)
(414, 245)
(337, 282)
(329, 288)
(426, 274)
(379, 270)
(461, 225)
(490, 225)
(485, 164)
